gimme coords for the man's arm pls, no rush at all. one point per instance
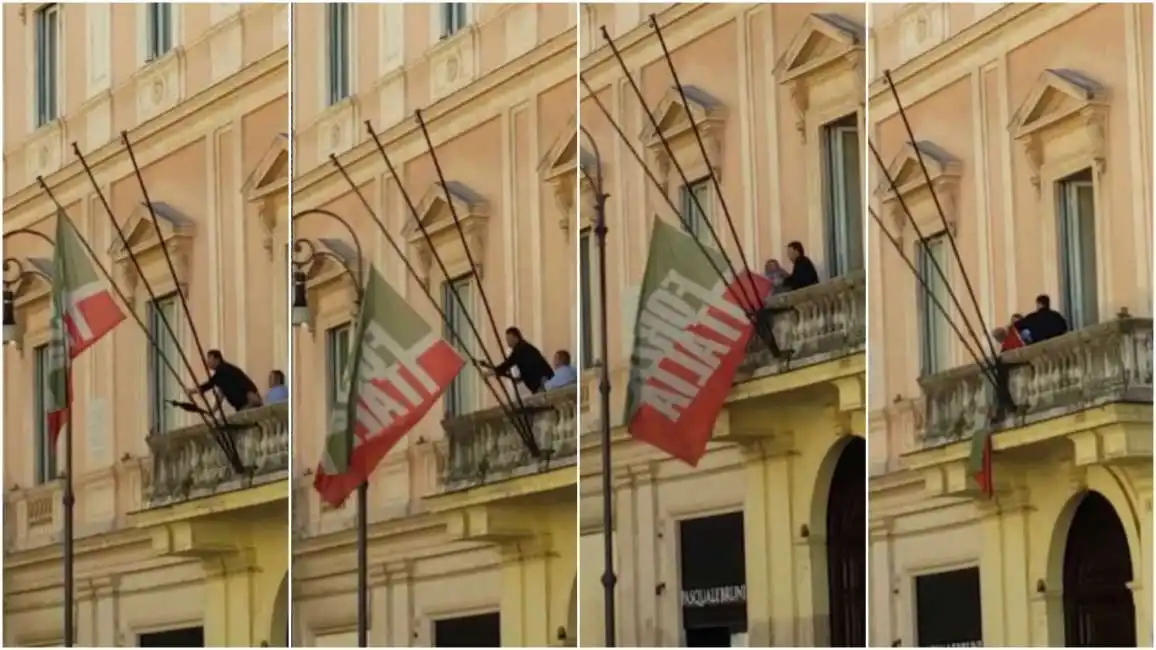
(212, 383)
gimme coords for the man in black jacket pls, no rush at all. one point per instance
(1044, 323)
(803, 274)
(239, 391)
(533, 369)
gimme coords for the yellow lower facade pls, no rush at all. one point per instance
(924, 521)
(778, 444)
(218, 564)
(507, 549)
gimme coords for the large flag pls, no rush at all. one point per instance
(83, 311)
(398, 368)
(690, 336)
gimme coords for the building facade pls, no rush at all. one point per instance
(471, 541)
(1035, 126)
(762, 543)
(172, 547)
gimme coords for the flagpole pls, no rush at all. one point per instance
(68, 499)
(609, 580)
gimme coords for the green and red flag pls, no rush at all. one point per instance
(690, 335)
(83, 311)
(397, 369)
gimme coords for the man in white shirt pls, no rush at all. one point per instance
(564, 373)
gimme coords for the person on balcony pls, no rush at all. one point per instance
(1044, 323)
(533, 369)
(236, 387)
(803, 273)
(777, 276)
(278, 392)
(1010, 337)
(564, 373)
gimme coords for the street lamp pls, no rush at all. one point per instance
(14, 275)
(609, 580)
(305, 251)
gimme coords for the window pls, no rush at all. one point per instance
(694, 218)
(338, 52)
(459, 395)
(948, 591)
(453, 18)
(1077, 243)
(477, 631)
(162, 385)
(158, 30)
(47, 57)
(842, 200)
(586, 297)
(337, 344)
(45, 454)
(934, 327)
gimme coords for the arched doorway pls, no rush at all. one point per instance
(1098, 605)
(846, 546)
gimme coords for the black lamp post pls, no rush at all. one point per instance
(305, 252)
(609, 580)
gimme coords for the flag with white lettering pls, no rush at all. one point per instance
(690, 336)
(398, 368)
(83, 311)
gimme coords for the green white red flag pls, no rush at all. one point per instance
(690, 335)
(398, 368)
(83, 311)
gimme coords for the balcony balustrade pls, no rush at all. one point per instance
(188, 463)
(819, 323)
(1107, 363)
(483, 447)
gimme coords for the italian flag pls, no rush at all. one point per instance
(83, 311)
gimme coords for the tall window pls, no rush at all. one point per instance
(586, 296)
(934, 328)
(1077, 243)
(162, 385)
(337, 343)
(453, 18)
(694, 218)
(47, 56)
(158, 30)
(45, 454)
(477, 631)
(460, 394)
(842, 200)
(338, 51)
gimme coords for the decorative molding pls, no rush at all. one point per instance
(825, 43)
(558, 170)
(36, 284)
(434, 212)
(674, 123)
(176, 232)
(266, 185)
(1059, 97)
(905, 170)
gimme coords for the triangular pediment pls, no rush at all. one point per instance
(672, 116)
(35, 282)
(140, 233)
(326, 259)
(907, 174)
(272, 172)
(434, 210)
(562, 158)
(1057, 94)
(822, 39)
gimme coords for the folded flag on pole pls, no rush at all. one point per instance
(83, 311)
(690, 336)
(397, 369)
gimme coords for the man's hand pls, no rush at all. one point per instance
(192, 392)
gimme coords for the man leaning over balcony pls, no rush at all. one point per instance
(533, 369)
(239, 391)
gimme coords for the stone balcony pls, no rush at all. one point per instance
(1104, 364)
(483, 447)
(824, 322)
(187, 463)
